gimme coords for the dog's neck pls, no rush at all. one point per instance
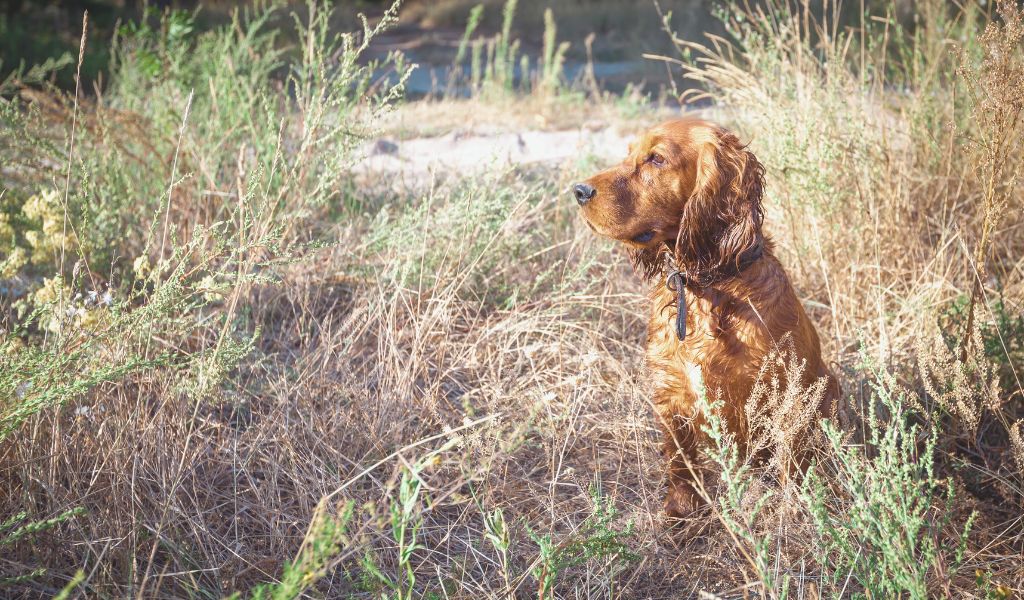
(698, 273)
(679, 278)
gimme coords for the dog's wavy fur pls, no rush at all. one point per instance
(690, 191)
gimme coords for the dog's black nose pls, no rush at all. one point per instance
(583, 193)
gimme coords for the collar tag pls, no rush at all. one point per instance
(676, 282)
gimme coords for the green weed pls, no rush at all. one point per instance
(497, 70)
(597, 539)
(880, 509)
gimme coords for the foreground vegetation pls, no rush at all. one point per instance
(234, 362)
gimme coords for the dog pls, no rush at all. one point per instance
(687, 203)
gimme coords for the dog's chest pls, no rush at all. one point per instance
(693, 375)
(708, 359)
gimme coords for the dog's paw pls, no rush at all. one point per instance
(681, 502)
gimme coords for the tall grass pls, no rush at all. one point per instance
(255, 376)
(497, 66)
(132, 277)
(881, 150)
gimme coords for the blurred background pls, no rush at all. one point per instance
(428, 31)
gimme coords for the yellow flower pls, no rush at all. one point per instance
(15, 257)
(94, 319)
(14, 261)
(13, 345)
(141, 266)
(6, 230)
(51, 291)
(51, 236)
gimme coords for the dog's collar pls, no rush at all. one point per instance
(678, 280)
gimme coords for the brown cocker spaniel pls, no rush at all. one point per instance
(687, 204)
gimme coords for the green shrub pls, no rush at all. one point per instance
(260, 163)
(881, 509)
(740, 519)
(190, 182)
(324, 541)
(17, 529)
(597, 539)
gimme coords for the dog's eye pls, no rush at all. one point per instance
(644, 237)
(655, 159)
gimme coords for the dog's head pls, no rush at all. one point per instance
(686, 185)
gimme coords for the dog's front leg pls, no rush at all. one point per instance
(680, 448)
(681, 497)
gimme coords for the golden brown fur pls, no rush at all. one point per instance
(690, 188)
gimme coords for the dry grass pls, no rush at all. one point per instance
(472, 334)
(346, 374)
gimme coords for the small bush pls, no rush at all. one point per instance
(881, 509)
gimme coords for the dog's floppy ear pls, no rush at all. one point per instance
(722, 219)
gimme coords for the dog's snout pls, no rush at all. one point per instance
(583, 193)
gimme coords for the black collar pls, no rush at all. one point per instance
(678, 280)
